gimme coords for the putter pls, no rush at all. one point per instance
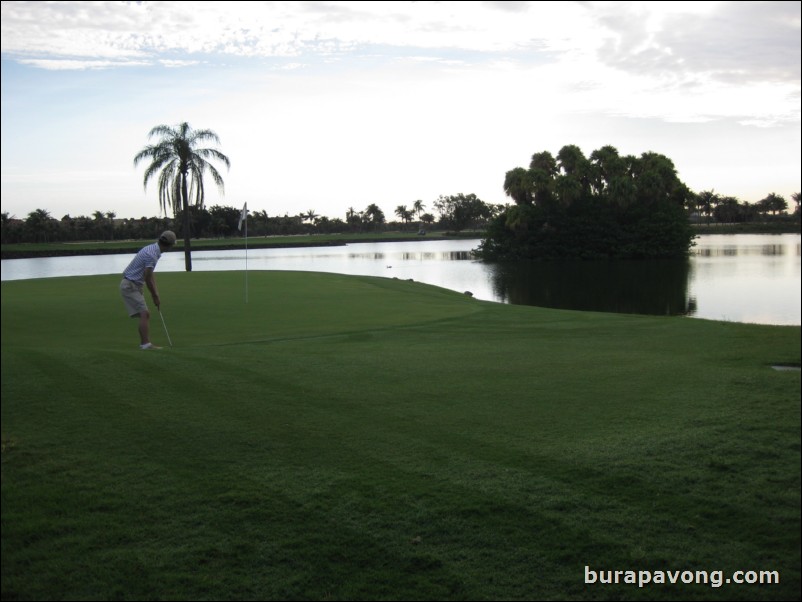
(165, 328)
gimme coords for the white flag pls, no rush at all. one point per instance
(243, 216)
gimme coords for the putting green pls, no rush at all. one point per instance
(209, 308)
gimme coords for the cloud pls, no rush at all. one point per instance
(737, 42)
(79, 65)
(729, 41)
(515, 7)
(177, 63)
(109, 30)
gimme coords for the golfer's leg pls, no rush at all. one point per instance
(144, 327)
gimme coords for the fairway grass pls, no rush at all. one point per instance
(342, 437)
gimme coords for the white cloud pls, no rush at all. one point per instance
(79, 65)
(730, 41)
(113, 29)
(177, 63)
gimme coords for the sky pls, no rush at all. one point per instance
(327, 106)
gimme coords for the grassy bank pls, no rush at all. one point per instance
(29, 250)
(362, 438)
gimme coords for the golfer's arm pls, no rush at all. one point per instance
(150, 280)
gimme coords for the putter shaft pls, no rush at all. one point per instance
(169, 340)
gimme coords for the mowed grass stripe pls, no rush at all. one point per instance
(402, 442)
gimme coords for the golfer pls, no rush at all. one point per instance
(138, 273)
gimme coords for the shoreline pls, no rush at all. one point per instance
(70, 249)
(129, 246)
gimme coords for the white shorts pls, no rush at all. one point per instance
(133, 297)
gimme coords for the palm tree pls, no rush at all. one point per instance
(606, 165)
(260, 217)
(110, 215)
(99, 223)
(706, 201)
(402, 212)
(181, 165)
(774, 203)
(374, 215)
(518, 186)
(40, 225)
(571, 159)
(418, 208)
(353, 218)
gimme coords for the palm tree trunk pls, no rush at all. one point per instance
(187, 224)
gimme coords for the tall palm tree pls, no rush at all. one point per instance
(353, 218)
(181, 166)
(310, 216)
(260, 218)
(774, 203)
(110, 215)
(403, 213)
(374, 215)
(40, 225)
(706, 202)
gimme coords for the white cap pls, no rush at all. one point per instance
(167, 237)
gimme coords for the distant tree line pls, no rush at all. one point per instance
(607, 206)
(455, 212)
(551, 191)
(709, 207)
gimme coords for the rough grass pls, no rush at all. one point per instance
(363, 438)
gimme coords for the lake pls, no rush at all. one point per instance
(741, 278)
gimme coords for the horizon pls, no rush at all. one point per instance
(390, 217)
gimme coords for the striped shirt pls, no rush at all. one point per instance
(147, 257)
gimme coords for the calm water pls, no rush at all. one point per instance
(742, 278)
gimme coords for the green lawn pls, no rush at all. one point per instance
(345, 437)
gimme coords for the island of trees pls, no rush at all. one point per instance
(602, 206)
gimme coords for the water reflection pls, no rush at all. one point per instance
(735, 251)
(417, 256)
(638, 287)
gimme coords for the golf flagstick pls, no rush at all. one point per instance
(243, 217)
(165, 328)
(246, 253)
